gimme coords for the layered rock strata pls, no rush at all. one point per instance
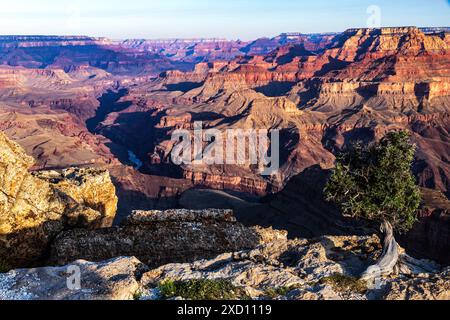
(159, 237)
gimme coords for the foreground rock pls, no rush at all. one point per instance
(322, 269)
(34, 208)
(111, 280)
(425, 287)
(91, 187)
(160, 237)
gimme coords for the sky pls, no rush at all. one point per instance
(231, 19)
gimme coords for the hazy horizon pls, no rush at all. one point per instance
(193, 38)
(232, 19)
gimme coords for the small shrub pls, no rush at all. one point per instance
(278, 292)
(343, 283)
(201, 289)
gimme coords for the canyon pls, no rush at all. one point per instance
(364, 83)
(60, 218)
(93, 110)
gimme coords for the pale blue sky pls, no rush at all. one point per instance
(233, 19)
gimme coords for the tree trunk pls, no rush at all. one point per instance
(389, 257)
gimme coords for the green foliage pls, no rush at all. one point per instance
(375, 182)
(343, 283)
(201, 289)
(278, 292)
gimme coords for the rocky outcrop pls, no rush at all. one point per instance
(377, 43)
(90, 187)
(423, 287)
(116, 279)
(159, 237)
(325, 268)
(34, 208)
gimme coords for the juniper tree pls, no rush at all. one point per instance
(375, 182)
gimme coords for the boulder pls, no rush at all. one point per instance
(116, 279)
(88, 186)
(424, 287)
(35, 208)
(161, 237)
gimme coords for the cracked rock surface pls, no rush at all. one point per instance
(322, 269)
(34, 208)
